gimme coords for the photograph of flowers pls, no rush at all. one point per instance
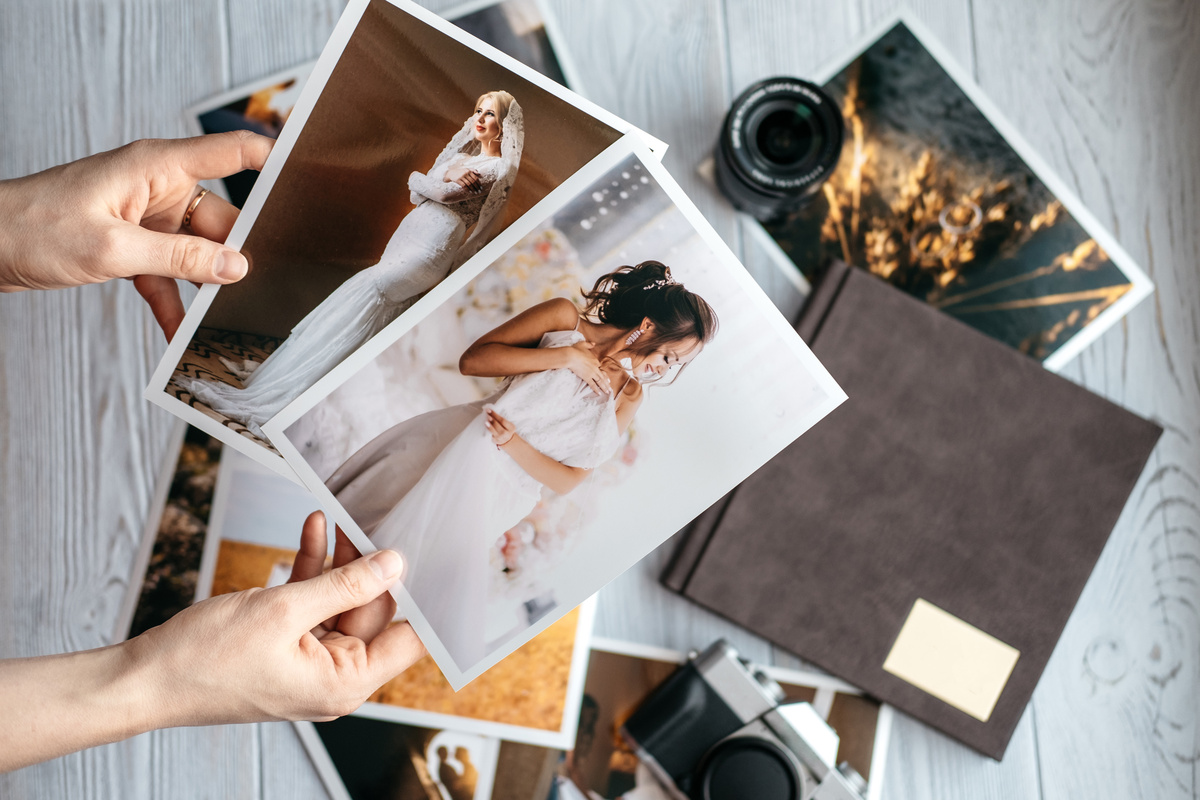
(947, 203)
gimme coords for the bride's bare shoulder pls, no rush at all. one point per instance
(558, 314)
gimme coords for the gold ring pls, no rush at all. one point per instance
(187, 215)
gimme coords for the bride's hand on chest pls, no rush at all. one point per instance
(464, 177)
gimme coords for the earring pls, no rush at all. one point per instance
(633, 337)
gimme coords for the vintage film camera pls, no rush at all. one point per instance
(715, 730)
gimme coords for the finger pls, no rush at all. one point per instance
(162, 295)
(138, 251)
(213, 218)
(391, 652)
(344, 550)
(344, 588)
(218, 155)
(314, 543)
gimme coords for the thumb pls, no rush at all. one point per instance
(174, 255)
(349, 586)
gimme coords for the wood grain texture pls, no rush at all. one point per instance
(1105, 92)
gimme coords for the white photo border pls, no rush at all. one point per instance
(313, 89)
(276, 427)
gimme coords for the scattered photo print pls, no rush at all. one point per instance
(170, 580)
(930, 197)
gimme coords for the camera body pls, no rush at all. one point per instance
(715, 730)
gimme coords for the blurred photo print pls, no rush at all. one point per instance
(548, 422)
(412, 146)
(521, 28)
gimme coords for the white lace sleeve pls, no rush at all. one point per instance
(425, 187)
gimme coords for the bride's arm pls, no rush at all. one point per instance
(512, 348)
(452, 190)
(554, 475)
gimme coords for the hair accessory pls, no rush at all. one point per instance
(661, 282)
(187, 215)
(633, 337)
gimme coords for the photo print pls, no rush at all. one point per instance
(622, 675)
(548, 422)
(411, 147)
(362, 759)
(938, 194)
(532, 696)
(523, 29)
(168, 564)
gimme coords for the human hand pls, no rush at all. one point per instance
(502, 430)
(119, 214)
(315, 648)
(465, 177)
(583, 362)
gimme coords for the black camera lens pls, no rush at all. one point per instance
(741, 768)
(781, 139)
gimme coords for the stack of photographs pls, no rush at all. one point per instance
(361, 759)
(938, 194)
(436, 235)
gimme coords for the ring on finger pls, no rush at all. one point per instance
(191, 209)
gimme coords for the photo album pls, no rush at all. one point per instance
(485, 328)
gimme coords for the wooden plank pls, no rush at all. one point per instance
(1108, 98)
(80, 447)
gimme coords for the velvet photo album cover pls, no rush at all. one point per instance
(486, 328)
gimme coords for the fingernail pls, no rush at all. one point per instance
(386, 564)
(230, 266)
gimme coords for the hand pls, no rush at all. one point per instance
(583, 362)
(502, 430)
(119, 214)
(465, 177)
(313, 649)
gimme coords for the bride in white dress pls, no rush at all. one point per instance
(467, 186)
(442, 487)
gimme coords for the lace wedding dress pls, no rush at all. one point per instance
(438, 490)
(425, 248)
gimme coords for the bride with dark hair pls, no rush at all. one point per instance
(467, 186)
(443, 486)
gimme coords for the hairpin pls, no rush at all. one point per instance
(661, 282)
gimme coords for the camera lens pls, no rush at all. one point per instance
(781, 139)
(748, 767)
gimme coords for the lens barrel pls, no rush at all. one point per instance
(780, 141)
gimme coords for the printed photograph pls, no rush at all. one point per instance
(515, 27)
(531, 696)
(364, 759)
(587, 394)
(930, 197)
(170, 580)
(401, 762)
(418, 150)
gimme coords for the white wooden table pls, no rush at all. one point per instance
(1106, 90)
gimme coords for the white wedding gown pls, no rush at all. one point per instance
(438, 490)
(418, 256)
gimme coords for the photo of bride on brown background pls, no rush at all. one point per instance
(384, 192)
(592, 390)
